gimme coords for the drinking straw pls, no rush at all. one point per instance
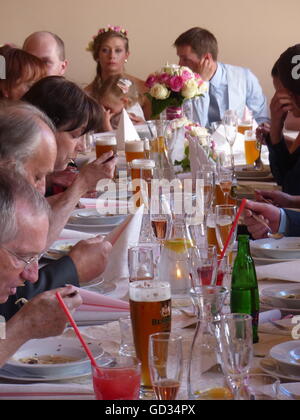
(240, 210)
(73, 323)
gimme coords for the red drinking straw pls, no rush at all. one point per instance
(240, 210)
(72, 322)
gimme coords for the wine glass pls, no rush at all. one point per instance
(225, 180)
(230, 122)
(206, 178)
(165, 364)
(225, 215)
(235, 339)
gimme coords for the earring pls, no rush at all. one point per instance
(126, 61)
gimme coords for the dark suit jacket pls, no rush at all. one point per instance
(285, 167)
(293, 222)
(51, 276)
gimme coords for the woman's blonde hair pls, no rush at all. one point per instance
(120, 87)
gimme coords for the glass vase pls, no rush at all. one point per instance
(206, 380)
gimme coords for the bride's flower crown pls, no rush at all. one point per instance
(110, 28)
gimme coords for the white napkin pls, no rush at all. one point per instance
(176, 144)
(45, 391)
(197, 156)
(124, 236)
(288, 271)
(125, 131)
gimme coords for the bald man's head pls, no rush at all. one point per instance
(50, 49)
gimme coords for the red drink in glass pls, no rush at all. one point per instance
(205, 274)
(117, 383)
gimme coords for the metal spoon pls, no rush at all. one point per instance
(269, 233)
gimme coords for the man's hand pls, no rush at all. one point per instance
(267, 212)
(90, 258)
(43, 317)
(277, 198)
(207, 68)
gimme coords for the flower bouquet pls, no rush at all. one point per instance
(172, 86)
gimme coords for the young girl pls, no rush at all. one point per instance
(115, 94)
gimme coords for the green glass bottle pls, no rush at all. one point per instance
(244, 288)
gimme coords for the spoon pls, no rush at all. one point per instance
(269, 233)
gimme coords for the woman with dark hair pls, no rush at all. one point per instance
(22, 71)
(71, 110)
(110, 50)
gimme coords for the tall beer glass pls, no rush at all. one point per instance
(105, 144)
(134, 150)
(150, 309)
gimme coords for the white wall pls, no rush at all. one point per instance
(250, 33)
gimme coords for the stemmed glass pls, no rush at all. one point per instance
(165, 364)
(225, 180)
(141, 263)
(207, 177)
(230, 122)
(225, 215)
(234, 335)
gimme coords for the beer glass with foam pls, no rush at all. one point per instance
(150, 310)
(105, 144)
(134, 150)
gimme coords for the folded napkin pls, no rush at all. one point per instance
(176, 144)
(268, 328)
(125, 131)
(45, 391)
(93, 301)
(288, 271)
(197, 155)
(124, 236)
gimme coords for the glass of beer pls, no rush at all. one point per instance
(150, 311)
(251, 146)
(142, 170)
(134, 150)
(245, 123)
(105, 144)
(165, 364)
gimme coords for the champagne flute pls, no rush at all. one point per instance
(234, 335)
(165, 364)
(230, 122)
(225, 180)
(207, 177)
(225, 215)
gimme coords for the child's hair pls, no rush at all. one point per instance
(120, 87)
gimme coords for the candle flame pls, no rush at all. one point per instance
(178, 273)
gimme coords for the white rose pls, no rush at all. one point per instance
(159, 91)
(203, 88)
(190, 89)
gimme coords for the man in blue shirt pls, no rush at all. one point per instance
(230, 87)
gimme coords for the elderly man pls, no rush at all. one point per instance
(50, 49)
(24, 223)
(32, 151)
(230, 87)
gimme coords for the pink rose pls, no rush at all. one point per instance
(186, 75)
(176, 83)
(164, 78)
(152, 79)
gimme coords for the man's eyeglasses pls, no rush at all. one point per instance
(27, 261)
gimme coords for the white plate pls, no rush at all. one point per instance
(266, 261)
(291, 390)
(270, 366)
(60, 248)
(277, 295)
(266, 305)
(97, 230)
(288, 355)
(91, 217)
(285, 248)
(53, 346)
